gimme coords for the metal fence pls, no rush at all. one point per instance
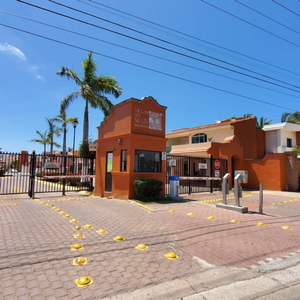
(22, 173)
(197, 174)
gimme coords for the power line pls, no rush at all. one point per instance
(256, 26)
(268, 17)
(147, 68)
(169, 43)
(173, 51)
(286, 8)
(185, 34)
(141, 52)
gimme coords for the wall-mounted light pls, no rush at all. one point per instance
(119, 141)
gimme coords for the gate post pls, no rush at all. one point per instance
(32, 175)
(64, 173)
(92, 173)
(211, 174)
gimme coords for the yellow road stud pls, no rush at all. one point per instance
(171, 256)
(84, 281)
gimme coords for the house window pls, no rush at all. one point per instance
(199, 138)
(123, 160)
(289, 142)
(147, 161)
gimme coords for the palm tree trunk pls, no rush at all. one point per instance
(86, 124)
(51, 149)
(64, 148)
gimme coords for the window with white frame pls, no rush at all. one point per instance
(199, 138)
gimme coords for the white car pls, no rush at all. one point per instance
(11, 172)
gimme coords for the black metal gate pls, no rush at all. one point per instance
(23, 173)
(197, 174)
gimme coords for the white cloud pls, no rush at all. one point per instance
(34, 70)
(40, 77)
(12, 50)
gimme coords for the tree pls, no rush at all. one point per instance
(62, 118)
(285, 116)
(53, 131)
(262, 122)
(248, 115)
(43, 139)
(291, 117)
(92, 89)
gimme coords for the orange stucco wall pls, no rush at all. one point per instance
(270, 171)
(253, 139)
(246, 151)
(133, 125)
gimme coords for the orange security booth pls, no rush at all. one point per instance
(131, 145)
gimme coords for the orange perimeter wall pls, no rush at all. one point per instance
(270, 171)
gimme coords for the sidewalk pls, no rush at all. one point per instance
(37, 259)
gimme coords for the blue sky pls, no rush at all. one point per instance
(184, 78)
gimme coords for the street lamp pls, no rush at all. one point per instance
(75, 123)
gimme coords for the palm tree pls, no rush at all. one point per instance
(53, 131)
(285, 116)
(248, 115)
(92, 89)
(262, 122)
(62, 118)
(43, 139)
(291, 117)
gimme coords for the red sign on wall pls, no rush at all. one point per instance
(217, 164)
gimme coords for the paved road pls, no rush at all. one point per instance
(213, 253)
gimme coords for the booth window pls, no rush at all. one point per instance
(289, 142)
(123, 160)
(147, 161)
(199, 138)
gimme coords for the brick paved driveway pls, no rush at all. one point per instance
(36, 257)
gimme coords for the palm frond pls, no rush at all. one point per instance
(65, 102)
(70, 74)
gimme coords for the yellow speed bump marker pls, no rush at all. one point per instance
(87, 226)
(54, 207)
(234, 221)
(78, 236)
(76, 247)
(286, 227)
(211, 218)
(73, 221)
(67, 216)
(191, 214)
(15, 204)
(260, 224)
(77, 228)
(101, 231)
(79, 261)
(58, 209)
(141, 247)
(119, 238)
(171, 256)
(84, 281)
(171, 211)
(62, 212)
(274, 203)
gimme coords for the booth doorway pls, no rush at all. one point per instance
(108, 175)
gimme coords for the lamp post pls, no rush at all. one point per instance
(75, 123)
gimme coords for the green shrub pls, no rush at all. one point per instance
(2, 172)
(147, 189)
